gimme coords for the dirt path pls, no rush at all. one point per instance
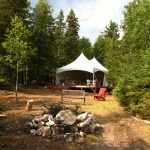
(119, 131)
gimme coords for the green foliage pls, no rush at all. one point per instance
(17, 46)
(99, 48)
(112, 31)
(107, 51)
(54, 108)
(71, 37)
(16, 43)
(60, 39)
(75, 109)
(8, 9)
(133, 89)
(85, 47)
(43, 40)
(142, 109)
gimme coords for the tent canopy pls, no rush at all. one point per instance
(97, 66)
(80, 67)
(83, 64)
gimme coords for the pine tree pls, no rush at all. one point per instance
(43, 39)
(60, 39)
(85, 47)
(71, 37)
(112, 31)
(99, 49)
(134, 82)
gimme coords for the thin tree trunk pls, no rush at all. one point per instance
(26, 82)
(24, 77)
(38, 68)
(17, 82)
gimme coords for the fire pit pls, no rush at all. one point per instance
(65, 125)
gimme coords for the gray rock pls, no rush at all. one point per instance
(30, 125)
(66, 117)
(98, 127)
(40, 124)
(50, 123)
(50, 118)
(44, 131)
(45, 117)
(33, 131)
(85, 123)
(92, 127)
(82, 117)
(54, 130)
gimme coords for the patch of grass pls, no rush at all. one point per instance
(102, 108)
(92, 138)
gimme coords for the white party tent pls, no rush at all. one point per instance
(80, 70)
(97, 66)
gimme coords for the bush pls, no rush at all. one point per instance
(55, 108)
(5, 84)
(142, 109)
(133, 88)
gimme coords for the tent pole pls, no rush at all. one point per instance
(93, 78)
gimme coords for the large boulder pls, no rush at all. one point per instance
(85, 123)
(82, 117)
(65, 117)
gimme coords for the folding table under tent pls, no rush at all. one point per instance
(80, 70)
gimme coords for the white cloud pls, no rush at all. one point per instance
(93, 15)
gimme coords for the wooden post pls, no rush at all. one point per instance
(29, 105)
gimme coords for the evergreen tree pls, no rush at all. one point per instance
(85, 47)
(112, 50)
(99, 49)
(71, 37)
(112, 31)
(43, 39)
(134, 82)
(60, 39)
(107, 51)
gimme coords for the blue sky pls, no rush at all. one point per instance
(93, 15)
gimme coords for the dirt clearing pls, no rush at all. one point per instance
(118, 130)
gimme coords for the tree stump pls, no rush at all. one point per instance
(29, 105)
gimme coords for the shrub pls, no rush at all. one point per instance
(142, 109)
(54, 108)
(133, 88)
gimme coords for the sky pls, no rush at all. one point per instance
(93, 15)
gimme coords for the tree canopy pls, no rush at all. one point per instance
(134, 82)
(72, 37)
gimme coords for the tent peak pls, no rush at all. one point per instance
(82, 56)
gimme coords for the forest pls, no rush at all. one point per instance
(33, 43)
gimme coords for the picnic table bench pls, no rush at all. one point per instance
(73, 94)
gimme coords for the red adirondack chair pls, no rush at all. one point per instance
(101, 94)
